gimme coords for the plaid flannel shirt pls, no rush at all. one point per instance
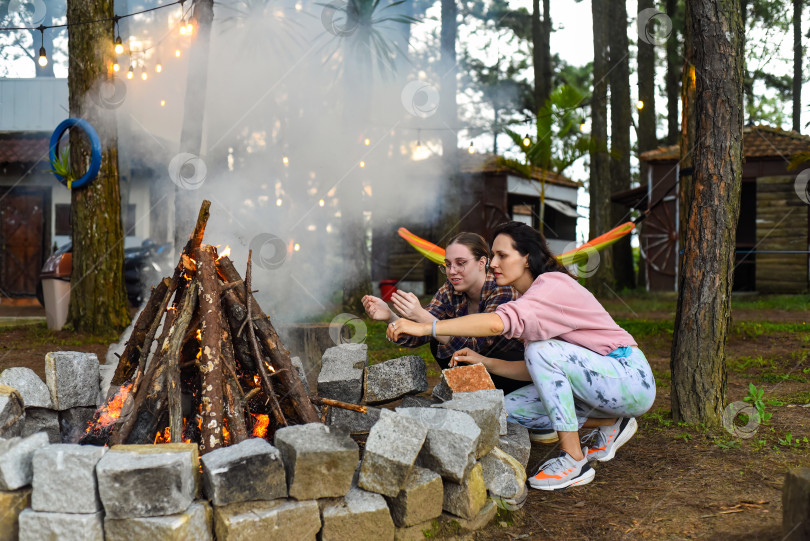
(448, 303)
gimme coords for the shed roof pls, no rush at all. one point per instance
(763, 142)
(23, 148)
(488, 163)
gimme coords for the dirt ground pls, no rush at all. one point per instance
(669, 481)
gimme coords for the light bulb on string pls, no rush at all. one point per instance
(183, 28)
(163, 103)
(116, 67)
(158, 67)
(285, 160)
(527, 141)
(43, 57)
(189, 28)
(471, 148)
(177, 53)
(144, 75)
(119, 45)
(278, 202)
(321, 203)
(640, 105)
(367, 141)
(131, 72)
(362, 164)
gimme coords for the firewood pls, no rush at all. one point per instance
(155, 308)
(171, 352)
(337, 404)
(279, 356)
(263, 373)
(235, 314)
(235, 405)
(210, 365)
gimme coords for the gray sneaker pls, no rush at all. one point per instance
(562, 472)
(538, 435)
(606, 440)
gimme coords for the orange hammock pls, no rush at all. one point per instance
(572, 257)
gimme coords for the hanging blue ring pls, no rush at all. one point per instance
(95, 149)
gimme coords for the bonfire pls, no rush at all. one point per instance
(218, 374)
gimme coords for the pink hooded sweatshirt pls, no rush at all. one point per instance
(557, 306)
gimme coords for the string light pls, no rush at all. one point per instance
(285, 160)
(278, 202)
(163, 103)
(639, 105)
(119, 45)
(131, 72)
(144, 75)
(116, 66)
(367, 141)
(43, 58)
(296, 247)
(527, 141)
(471, 149)
(321, 203)
(362, 164)
(177, 53)
(158, 67)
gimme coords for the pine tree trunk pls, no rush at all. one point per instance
(687, 135)
(448, 112)
(797, 66)
(620, 119)
(98, 302)
(186, 202)
(599, 182)
(673, 75)
(704, 300)
(647, 139)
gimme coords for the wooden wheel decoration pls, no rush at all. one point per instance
(659, 238)
(493, 217)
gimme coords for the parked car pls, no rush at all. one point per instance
(144, 266)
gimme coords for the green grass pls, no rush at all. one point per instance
(754, 329)
(801, 397)
(642, 327)
(769, 302)
(39, 335)
(380, 349)
(743, 364)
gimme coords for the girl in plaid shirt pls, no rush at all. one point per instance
(470, 289)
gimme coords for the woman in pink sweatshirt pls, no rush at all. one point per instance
(586, 371)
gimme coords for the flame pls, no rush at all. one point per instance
(111, 411)
(260, 428)
(226, 436)
(270, 368)
(256, 380)
(184, 438)
(165, 437)
(199, 335)
(225, 253)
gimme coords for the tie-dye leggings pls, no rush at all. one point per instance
(572, 383)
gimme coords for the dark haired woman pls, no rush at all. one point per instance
(586, 371)
(470, 289)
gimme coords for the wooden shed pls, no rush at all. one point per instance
(773, 239)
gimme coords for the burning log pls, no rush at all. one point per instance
(210, 366)
(279, 355)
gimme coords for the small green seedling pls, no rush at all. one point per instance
(755, 397)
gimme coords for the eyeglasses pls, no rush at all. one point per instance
(458, 265)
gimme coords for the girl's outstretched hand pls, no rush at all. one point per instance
(376, 308)
(408, 306)
(467, 356)
(403, 327)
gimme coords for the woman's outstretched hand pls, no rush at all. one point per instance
(376, 308)
(467, 356)
(403, 327)
(408, 306)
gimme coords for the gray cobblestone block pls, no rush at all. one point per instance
(319, 460)
(250, 470)
(140, 482)
(467, 498)
(341, 376)
(72, 378)
(65, 478)
(516, 443)
(388, 381)
(193, 524)
(16, 460)
(352, 421)
(267, 521)
(485, 408)
(451, 441)
(33, 390)
(12, 412)
(359, 516)
(480, 521)
(391, 449)
(42, 420)
(419, 500)
(418, 401)
(39, 525)
(503, 475)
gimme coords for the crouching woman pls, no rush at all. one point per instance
(586, 371)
